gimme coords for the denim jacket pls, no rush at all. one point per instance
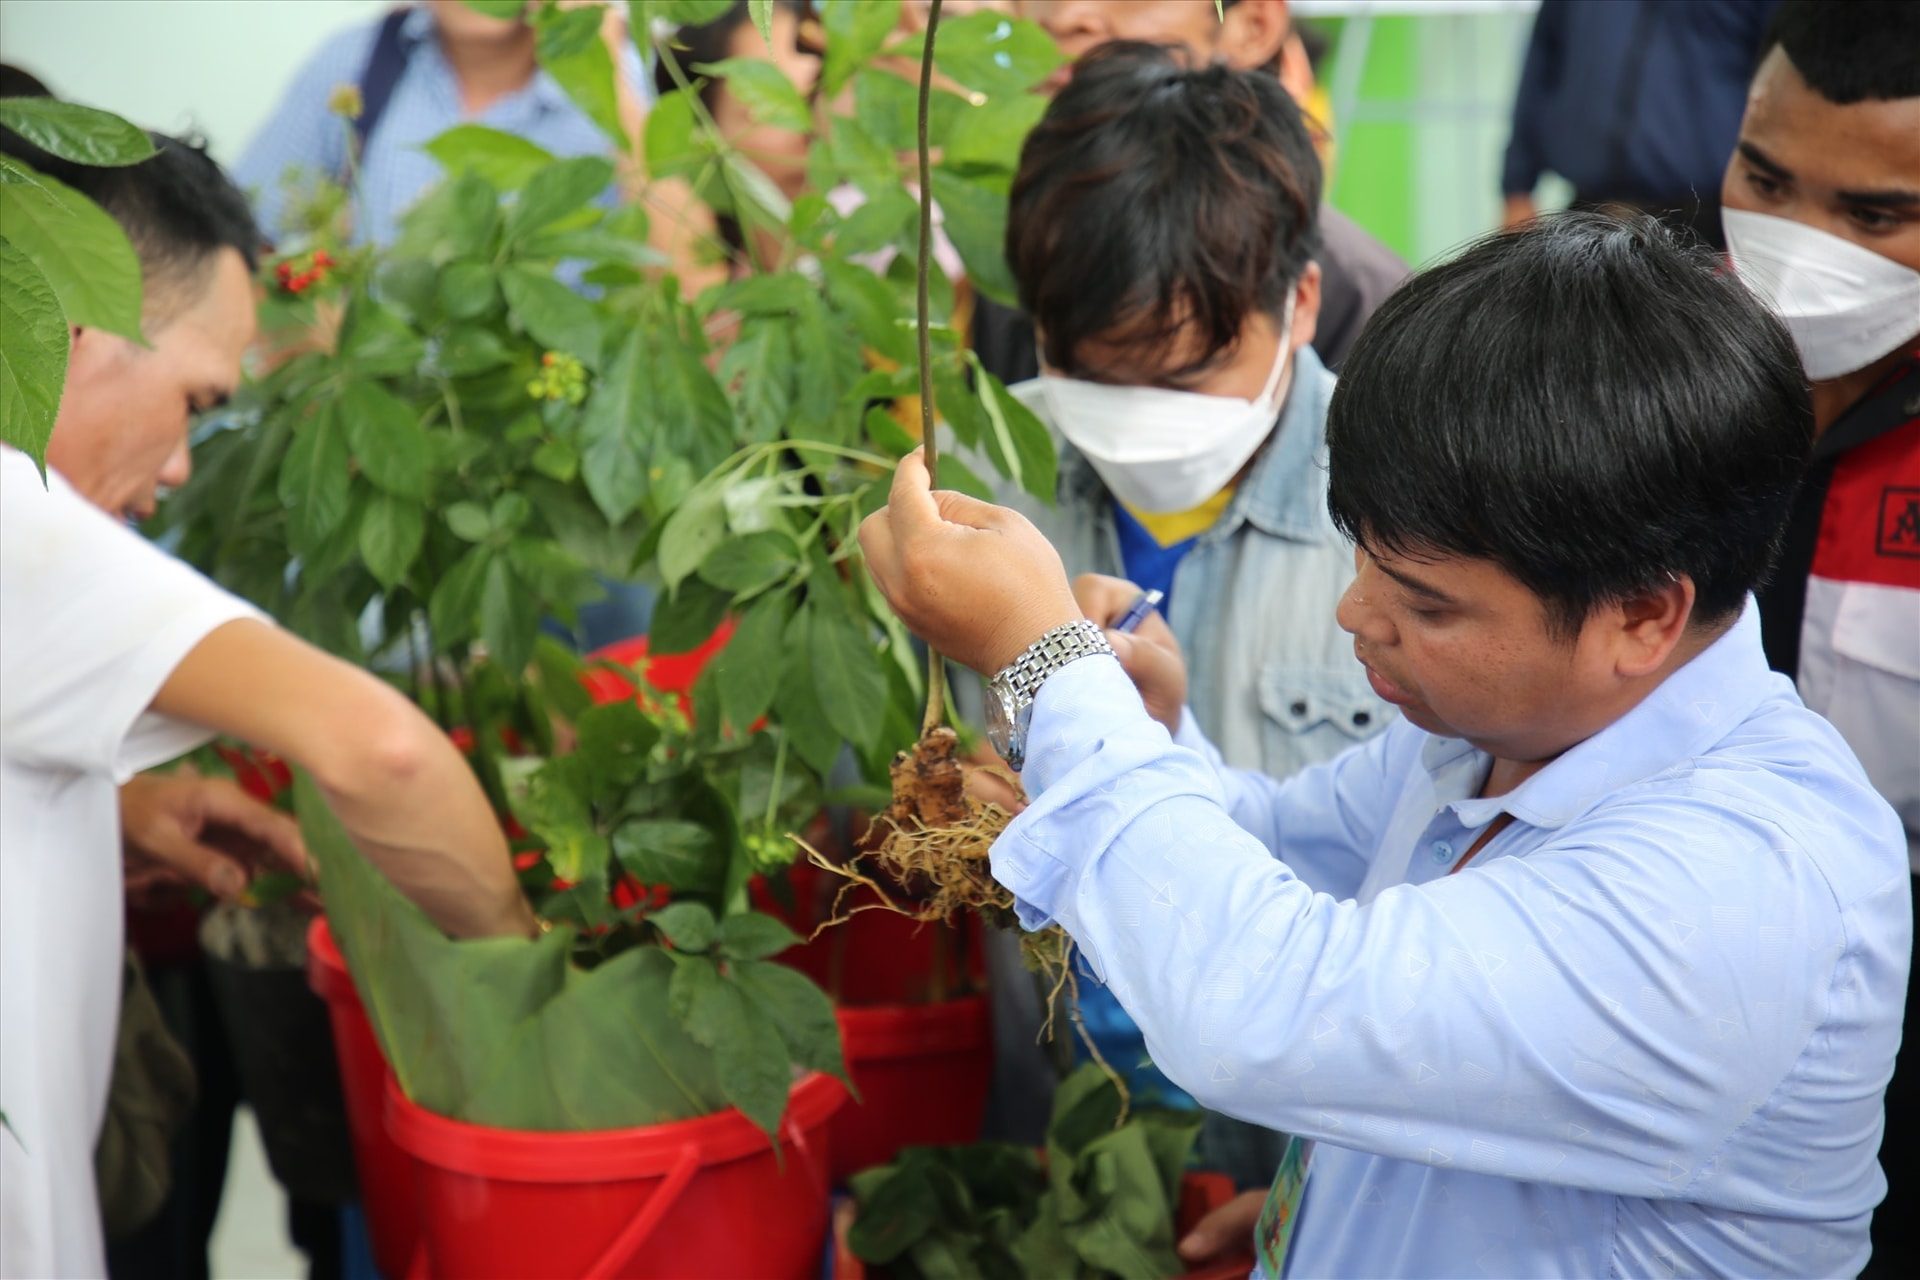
(1272, 679)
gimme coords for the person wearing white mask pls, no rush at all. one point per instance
(1161, 230)
(1822, 214)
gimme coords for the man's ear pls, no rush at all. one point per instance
(1652, 623)
(1306, 305)
(1253, 34)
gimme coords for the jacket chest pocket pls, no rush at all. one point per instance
(1311, 714)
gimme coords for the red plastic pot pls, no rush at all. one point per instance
(922, 1072)
(1200, 1194)
(386, 1172)
(673, 673)
(874, 957)
(695, 1199)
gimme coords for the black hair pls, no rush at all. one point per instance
(1584, 402)
(1153, 196)
(178, 209)
(1853, 52)
(18, 82)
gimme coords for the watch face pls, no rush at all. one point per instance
(999, 718)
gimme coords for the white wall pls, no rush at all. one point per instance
(215, 67)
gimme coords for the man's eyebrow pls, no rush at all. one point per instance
(1891, 196)
(1416, 586)
(1761, 160)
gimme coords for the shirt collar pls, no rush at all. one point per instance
(1285, 494)
(1683, 717)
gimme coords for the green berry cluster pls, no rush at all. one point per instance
(561, 377)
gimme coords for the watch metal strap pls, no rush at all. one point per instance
(1052, 651)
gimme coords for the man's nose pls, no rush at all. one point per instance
(1357, 614)
(175, 471)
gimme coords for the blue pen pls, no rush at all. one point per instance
(1137, 612)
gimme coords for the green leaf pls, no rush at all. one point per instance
(533, 1054)
(314, 478)
(553, 315)
(614, 450)
(33, 354)
(83, 253)
(454, 608)
(505, 10)
(505, 160)
(888, 108)
(557, 458)
(615, 741)
(466, 289)
(827, 363)
(798, 1008)
(390, 537)
(682, 856)
(991, 52)
(691, 415)
(746, 564)
(975, 219)
(686, 618)
(991, 134)
(560, 670)
(583, 67)
(755, 937)
(748, 669)
(690, 927)
(764, 90)
(856, 29)
(469, 522)
(867, 300)
(470, 349)
(507, 624)
(386, 438)
(692, 13)
(889, 216)
(778, 293)
(761, 11)
(674, 144)
(861, 159)
(556, 191)
(696, 527)
(376, 342)
(757, 371)
(1019, 435)
(847, 678)
(73, 132)
(797, 706)
(754, 1069)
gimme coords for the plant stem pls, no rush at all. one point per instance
(936, 664)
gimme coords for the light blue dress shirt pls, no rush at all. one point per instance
(302, 134)
(1646, 1032)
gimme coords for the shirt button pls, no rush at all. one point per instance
(1361, 719)
(1441, 850)
(1299, 708)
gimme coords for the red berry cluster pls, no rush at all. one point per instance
(296, 280)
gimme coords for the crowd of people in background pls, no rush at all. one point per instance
(1188, 303)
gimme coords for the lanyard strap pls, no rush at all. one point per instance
(1500, 823)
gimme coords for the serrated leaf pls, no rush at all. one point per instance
(557, 458)
(504, 160)
(82, 251)
(847, 679)
(584, 68)
(314, 478)
(869, 303)
(386, 438)
(990, 134)
(856, 29)
(83, 135)
(889, 216)
(747, 671)
(613, 452)
(757, 370)
(685, 619)
(764, 90)
(797, 706)
(754, 936)
(33, 354)
(754, 1070)
(507, 624)
(469, 522)
(799, 1009)
(761, 11)
(990, 52)
(553, 315)
(695, 528)
(453, 610)
(750, 562)
(690, 927)
(556, 191)
(391, 532)
(466, 289)
(505, 10)
(616, 741)
(1019, 436)
(975, 219)
(888, 108)
(670, 852)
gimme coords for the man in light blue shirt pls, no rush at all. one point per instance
(1647, 1027)
(423, 70)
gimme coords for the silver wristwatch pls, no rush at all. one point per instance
(1010, 694)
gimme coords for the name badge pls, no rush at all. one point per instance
(1273, 1236)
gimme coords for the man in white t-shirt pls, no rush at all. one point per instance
(115, 657)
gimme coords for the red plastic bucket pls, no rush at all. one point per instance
(386, 1172)
(695, 1199)
(922, 1072)
(875, 957)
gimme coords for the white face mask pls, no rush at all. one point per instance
(1160, 450)
(1845, 306)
